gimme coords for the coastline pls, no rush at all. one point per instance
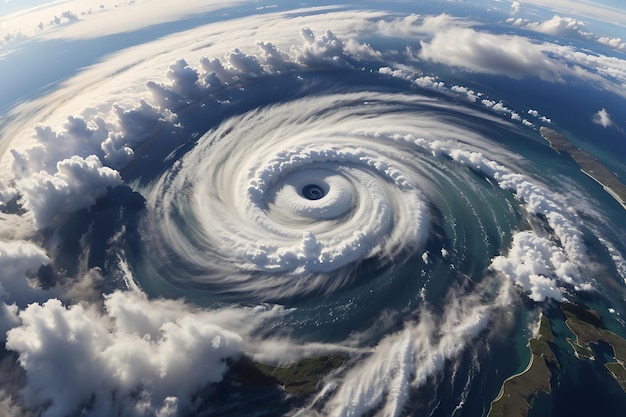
(612, 193)
(517, 391)
(587, 327)
(501, 393)
(588, 165)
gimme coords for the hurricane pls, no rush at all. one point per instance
(276, 209)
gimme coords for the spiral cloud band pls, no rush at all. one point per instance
(296, 188)
(276, 184)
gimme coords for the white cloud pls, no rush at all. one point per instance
(92, 135)
(407, 359)
(417, 25)
(566, 27)
(600, 11)
(76, 184)
(9, 407)
(618, 258)
(79, 19)
(617, 43)
(431, 82)
(470, 94)
(537, 115)
(516, 6)
(109, 134)
(498, 107)
(18, 262)
(488, 53)
(518, 57)
(534, 263)
(557, 25)
(602, 118)
(142, 356)
(428, 81)
(565, 260)
(327, 49)
(137, 358)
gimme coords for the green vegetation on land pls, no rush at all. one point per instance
(587, 164)
(588, 328)
(517, 392)
(618, 372)
(299, 379)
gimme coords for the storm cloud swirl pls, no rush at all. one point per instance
(286, 184)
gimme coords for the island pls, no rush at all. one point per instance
(587, 326)
(518, 391)
(588, 165)
(299, 379)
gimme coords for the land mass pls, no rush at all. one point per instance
(590, 166)
(518, 392)
(587, 327)
(299, 379)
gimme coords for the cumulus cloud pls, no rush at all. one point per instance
(137, 358)
(65, 17)
(18, 261)
(499, 107)
(113, 136)
(557, 25)
(516, 6)
(328, 49)
(187, 83)
(77, 137)
(76, 184)
(141, 357)
(601, 71)
(48, 176)
(534, 263)
(89, 135)
(470, 94)
(536, 114)
(617, 43)
(433, 83)
(602, 118)
(65, 169)
(566, 260)
(428, 81)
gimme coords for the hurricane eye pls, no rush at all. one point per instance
(313, 192)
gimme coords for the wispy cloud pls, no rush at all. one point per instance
(567, 27)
